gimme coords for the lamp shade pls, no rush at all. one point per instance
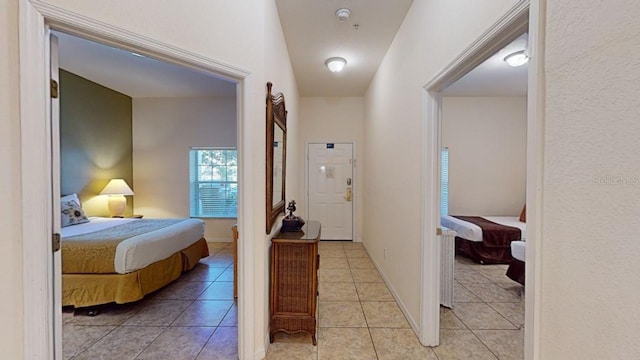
(336, 64)
(117, 187)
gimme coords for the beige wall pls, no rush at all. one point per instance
(591, 182)
(393, 128)
(277, 70)
(95, 141)
(334, 119)
(487, 141)
(11, 304)
(164, 129)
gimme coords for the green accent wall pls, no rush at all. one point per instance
(95, 141)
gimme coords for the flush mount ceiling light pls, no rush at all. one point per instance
(335, 64)
(517, 58)
(343, 14)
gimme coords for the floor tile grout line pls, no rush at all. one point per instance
(151, 342)
(206, 342)
(94, 342)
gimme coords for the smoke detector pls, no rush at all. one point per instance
(343, 14)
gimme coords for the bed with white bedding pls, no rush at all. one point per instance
(472, 242)
(516, 270)
(120, 260)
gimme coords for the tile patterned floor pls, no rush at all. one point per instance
(195, 317)
(359, 319)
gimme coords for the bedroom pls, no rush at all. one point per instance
(484, 132)
(106, 134)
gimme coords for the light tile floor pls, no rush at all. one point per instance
(358, 317)
(195, 317)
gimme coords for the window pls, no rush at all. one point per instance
(444, 182)
(213, 174)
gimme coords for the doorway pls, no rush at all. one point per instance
(515, 22)
(126, 122)
(38, 270)
(330, 187)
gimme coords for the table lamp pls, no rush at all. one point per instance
(117, 189)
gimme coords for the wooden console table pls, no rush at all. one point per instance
(294, 281)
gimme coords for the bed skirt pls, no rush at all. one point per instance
(516, 271)
(483, 254)
(81, 290)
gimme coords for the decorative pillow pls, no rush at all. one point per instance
(71, 197)
(72, 214)
(523, 214)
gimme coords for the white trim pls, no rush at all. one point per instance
(535, 171)
(429, 333)
(37, 264)
(36, 183)
(506, 29)
(353, 181)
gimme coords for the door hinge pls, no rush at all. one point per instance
(54, 89)
(55, 242)
(439, 231)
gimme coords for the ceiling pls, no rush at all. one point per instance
(313, 33)
(494, 77)
(135, 76)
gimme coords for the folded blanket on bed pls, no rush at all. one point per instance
(493, 234)
(95, 252)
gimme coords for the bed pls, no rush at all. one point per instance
(120, 260)
(486, 239)
(516, 269)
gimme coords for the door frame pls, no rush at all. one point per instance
(522, 16)
(35, 20)
(353, 181)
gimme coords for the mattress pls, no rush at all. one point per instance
(139, 251)
(473, 232)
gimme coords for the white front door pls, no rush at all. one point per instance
(330, 188)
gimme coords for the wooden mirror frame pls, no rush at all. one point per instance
(276, 116)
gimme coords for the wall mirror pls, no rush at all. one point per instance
(276, 155)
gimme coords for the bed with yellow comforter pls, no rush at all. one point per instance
(121, 260)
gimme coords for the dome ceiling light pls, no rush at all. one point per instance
(517, 58)
(343, 14)
(335, 64)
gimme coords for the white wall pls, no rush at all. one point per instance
(393, 128)
(11, 301)
(164, 129)
(487, 141)
(334, 119)
(590, 213)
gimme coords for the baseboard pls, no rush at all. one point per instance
(394, 293)
(261, 353)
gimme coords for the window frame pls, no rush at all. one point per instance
(195, 206)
